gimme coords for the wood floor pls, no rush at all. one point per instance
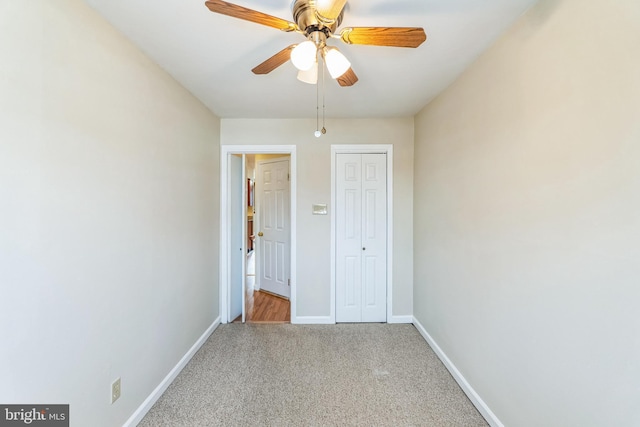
(263, 307)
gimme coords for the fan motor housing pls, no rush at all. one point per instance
(305, 16)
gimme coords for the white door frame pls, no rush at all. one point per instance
(224, 282)
(363, 149)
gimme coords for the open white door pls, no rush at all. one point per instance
(273, 237)
(236, 237)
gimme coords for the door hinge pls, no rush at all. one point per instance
(288, 177)
(289, 282)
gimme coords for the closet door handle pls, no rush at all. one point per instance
(364, 249)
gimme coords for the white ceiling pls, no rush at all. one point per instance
(212, 55)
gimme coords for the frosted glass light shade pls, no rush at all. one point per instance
(309, 76)
(337, 63)
(303, 56)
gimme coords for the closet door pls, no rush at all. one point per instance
(361, 238)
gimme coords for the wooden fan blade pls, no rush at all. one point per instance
(330, 9)
(275, 61)
(384, 36)
(347, 79)
(230, 9)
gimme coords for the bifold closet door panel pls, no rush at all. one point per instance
(361, 237)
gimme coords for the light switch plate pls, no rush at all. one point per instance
(320, 209)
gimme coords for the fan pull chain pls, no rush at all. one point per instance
(317, 133)
(324, 130)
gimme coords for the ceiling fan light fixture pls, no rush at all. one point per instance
(303, 56)
(337, 63)
(309, 76)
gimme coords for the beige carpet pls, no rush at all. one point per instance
(320, 375)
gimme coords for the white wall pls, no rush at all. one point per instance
(108, 215)
(314, 186)
(527, 218)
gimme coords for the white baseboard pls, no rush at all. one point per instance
(326, 320)
(400, 319)
(139, 414)
(312, 320)
(477, 401)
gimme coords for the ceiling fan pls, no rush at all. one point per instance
(318, 21)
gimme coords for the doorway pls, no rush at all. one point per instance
(256, 303)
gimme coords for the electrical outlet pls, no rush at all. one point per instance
(115, 390)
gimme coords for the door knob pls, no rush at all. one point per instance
(260, 234)
(364, 249)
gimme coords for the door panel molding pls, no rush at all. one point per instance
(363, 149)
